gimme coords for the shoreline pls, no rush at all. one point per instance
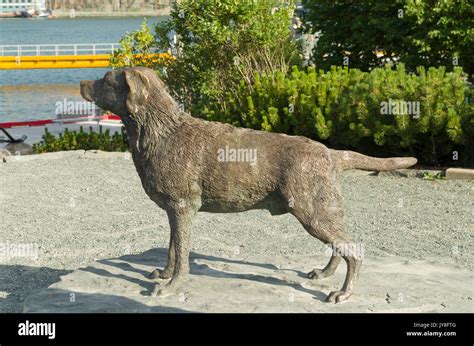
(97, 14)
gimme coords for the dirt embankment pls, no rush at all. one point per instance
(91, 8)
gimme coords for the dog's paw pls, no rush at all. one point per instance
(162, 291)
(337, 297)
(160, 274)
(316, 274)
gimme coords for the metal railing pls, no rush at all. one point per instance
(58, 49)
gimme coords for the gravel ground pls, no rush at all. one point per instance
(78, 207)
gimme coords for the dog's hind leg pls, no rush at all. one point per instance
(330, 268)
(321, 214)
(167, 272)
(353, 258)
(342, 248)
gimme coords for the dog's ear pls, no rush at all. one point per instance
(138, 93)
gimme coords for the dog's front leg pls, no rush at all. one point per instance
(167, 272)
(180, 222)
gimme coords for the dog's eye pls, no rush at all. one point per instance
(110, 81)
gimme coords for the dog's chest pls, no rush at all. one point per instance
(147, 171)
(164, 179)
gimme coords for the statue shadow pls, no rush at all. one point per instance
(158, 257)
(19, 283)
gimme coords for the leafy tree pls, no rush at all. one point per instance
(443, 34)
(219, 44)
(138, 48)
(371, 33)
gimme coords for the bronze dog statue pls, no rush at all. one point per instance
(188, 165)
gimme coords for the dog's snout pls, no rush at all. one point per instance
(86, 90)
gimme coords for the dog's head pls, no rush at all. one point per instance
(123, 92)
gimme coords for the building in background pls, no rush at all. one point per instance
(12, 6)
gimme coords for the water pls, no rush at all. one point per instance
(33, 94)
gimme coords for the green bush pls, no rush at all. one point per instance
(345, 108)
(72, 140)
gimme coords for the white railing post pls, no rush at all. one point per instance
(57, 49)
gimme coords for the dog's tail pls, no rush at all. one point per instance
(351, 160)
